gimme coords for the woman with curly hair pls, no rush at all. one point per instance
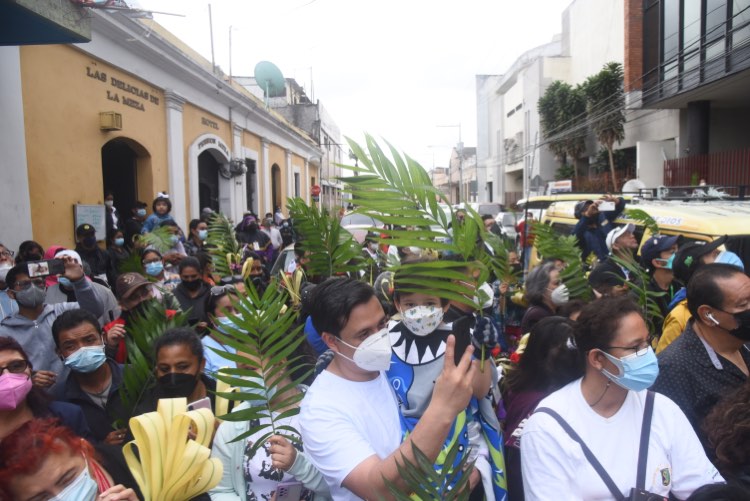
(728, 431)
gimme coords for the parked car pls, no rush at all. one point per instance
(507, 222)
(491, 208)
(283, 261)
(359, 224)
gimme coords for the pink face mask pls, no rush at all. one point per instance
(13, 390)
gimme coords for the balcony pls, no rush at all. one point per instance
(726, 168)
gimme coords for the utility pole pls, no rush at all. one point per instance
(460, 151)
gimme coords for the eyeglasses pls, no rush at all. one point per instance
(15, 367)
(7, 253)
(638, 351)
(23, 285)
(220, 290)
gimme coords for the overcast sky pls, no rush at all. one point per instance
(395, 69)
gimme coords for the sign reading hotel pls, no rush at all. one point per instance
(123, 92)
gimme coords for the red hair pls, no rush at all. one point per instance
(24, 450)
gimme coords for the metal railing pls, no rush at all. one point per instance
(726, 168)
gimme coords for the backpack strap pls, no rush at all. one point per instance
(648, 413)
(586, 452)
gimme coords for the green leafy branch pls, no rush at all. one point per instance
(551, 245)
(646, 299)
(222, 246)
(266, 342)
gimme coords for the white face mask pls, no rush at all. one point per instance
(422, 320)
(373, 354)
(4, 269)
(109, 203)
(559, 295)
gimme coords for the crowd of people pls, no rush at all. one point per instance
(602, 398)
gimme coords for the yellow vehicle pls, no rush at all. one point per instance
(695, 221)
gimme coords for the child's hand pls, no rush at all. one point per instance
(484, 333)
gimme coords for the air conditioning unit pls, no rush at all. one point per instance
(110, 120)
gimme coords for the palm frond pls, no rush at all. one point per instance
(643, 217)
(223, 246)
(331, 249)
(160, 239)
(424, 482)
(638, 286)
(141, 332)
(550, 245)
(266, 340)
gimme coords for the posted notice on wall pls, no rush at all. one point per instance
(94, 215)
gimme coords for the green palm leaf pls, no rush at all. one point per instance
(223, 246)
(142, 330)
(638, 289)
(643, 217)
(266, 339)
(550, 245)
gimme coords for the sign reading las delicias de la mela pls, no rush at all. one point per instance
(126, 90)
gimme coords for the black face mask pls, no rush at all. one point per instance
(252, 226)
(89, 242)
(742, 332)
(193, 285)
(176, 384)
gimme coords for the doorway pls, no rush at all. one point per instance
(208, 181)
(119, 175)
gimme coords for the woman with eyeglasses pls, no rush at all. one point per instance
(604, 436)
(44, 461)
(153, 267)
(21, 401)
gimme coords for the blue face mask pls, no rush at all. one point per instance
(730, 257)
(174, 239)
(119, 242)
(154, 269)
(224, 324)
(636, 372)
(140, 212)
(83, 488)
(203, 234)
(65, 282)
(86, 359)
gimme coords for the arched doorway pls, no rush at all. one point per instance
(275, 186)
(119, 173)
(208, 180)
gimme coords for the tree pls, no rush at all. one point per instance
(605, 103)
(562, 113)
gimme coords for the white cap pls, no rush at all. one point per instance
(617, 233)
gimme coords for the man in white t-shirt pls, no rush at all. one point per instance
(349, 419)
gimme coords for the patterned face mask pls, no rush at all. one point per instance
(422, 320)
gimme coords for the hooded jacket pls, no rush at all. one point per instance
(35, 336)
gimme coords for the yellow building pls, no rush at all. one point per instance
(135, 112)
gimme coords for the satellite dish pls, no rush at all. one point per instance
(270, 79)
(633, 186)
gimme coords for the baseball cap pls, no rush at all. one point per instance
(85, 229)
(580, 207)
(688, 257)
(617, 233)
(654, 246)
(127, 283)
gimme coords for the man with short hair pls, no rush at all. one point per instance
(349, 419)
(710, 358)
(609, 278)
(593, 225)
(687, 260)
(94, 381)
(8, 306)
(134, 224)
(31, 326)
(657, 255)
(273, 233)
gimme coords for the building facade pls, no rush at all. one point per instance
(135, 112)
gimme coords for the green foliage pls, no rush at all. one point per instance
(267, 342)
(566, 171)
(644, 218)
(423, 482)
(601, 164)
(332, 250)
(550, 245)
(160, 239)
(223, 246)
(646, 299)
(562, 114)
(142, 330)
(605, 100)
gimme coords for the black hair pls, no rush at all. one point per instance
(332, 301)
(704, 289)
(140, 205)
(570, 307)
(37, 399)
(212, 300)
(537, 283)
(169, 222)
(177, 336)
(71, 319)
(550, 360)
(204, 258)
(404, 279)
(162, 199)
(720, 492)
(149, 249)
(194, 223)
(599, 321)
(485, 217)
(190, 262)
(26, 248)
(299, 252)
(12, 276)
